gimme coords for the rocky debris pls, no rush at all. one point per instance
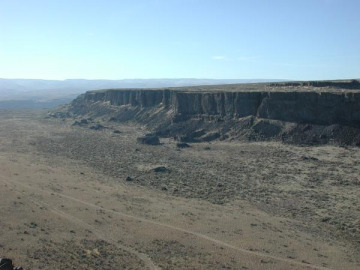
(149, 139)
(161, 169)
(182, 145)
(85, 122)
(82, 122)
(7, 264)
(198, 136)
(97, 127)
(186, 138)
(211, 137)
(192, 136)
(308, 158)
(197, 174)
(58, 114)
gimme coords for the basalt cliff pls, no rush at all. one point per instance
(295, 112)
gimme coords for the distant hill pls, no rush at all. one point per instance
(34, 93)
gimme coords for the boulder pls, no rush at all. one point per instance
(97, 127)
(161, 169)
(84, 122)
(182, 145)
(151, 140)
(6, 264)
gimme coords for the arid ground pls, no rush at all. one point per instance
(76, 198)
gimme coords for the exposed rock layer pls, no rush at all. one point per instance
(303, 105)
(300, 107)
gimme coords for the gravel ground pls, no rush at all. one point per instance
(317, 185)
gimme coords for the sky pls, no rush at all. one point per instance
(215, 39)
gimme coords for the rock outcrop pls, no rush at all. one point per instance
(319, 104)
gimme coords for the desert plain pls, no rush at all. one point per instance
(78, 198)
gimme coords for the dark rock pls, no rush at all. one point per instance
(151, 140)
(325, 219)
(33, 225)
(6, 264)
(164, 188)
(266, 128)
(84, 122)
(128, 179)
(186, 138)
(97, 127)
(308, 158)
(161, 169)
(117, 131)
(182, 145)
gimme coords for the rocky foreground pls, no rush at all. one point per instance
(81, 193)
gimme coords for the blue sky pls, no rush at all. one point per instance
(224, 39)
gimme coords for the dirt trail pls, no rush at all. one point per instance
(148, 262)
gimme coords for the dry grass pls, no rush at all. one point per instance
(219, 206)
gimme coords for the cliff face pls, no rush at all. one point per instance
(321, 108)
(142, 98)
(290, 112)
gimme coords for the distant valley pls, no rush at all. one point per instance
(36, 94)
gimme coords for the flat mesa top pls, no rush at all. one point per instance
(337, 86)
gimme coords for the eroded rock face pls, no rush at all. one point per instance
(314, 108)
(179, 112)
(301, 107)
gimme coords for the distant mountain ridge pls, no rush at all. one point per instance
(37, 93)
(20, 88)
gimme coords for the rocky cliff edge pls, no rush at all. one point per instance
(295, 112)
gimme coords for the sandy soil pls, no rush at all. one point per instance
(66, 204)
